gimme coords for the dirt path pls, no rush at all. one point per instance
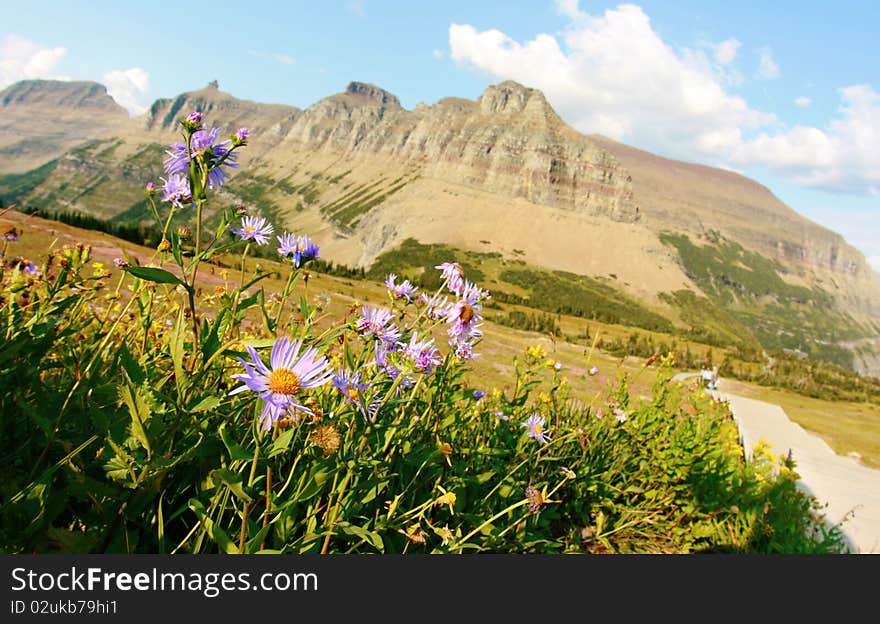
(849, 491)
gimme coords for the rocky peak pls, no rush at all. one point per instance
(75, 95)
(509, 97)
(373, 93)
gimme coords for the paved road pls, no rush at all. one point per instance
(849, 490)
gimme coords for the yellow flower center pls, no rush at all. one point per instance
(538, 429)
(283, 381)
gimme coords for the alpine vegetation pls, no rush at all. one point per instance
(152, 409)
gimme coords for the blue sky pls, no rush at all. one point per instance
(787, 93)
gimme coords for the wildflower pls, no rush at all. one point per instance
(448, 498)
(535, 499)
(382, 350)
(240, 137)
(10, 234)
(291, 372)
(501, 415)
(149, 188)
(404, 289)
(620, 414)
(287, 244)
(30, 268)
(465, 351)
(594, 371)
(184, 232)
(255, 229)
(422, 353)
(557, 365)
(349, 384)
(326, 438)
(568, 472)
(164, 245)
(176, 190)
(193, 121)
(304, 251)
(479, 394)
(453, 274)
(444, 534)
(535, 425)
(464, 316)
(436, 307)
(203, 145)
(375, 321)
(600, 414)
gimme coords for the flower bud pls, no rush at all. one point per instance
(192, 122)
(165, 245)
(184, 232)
(240, 137)
(150, 188)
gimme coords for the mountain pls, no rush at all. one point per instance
(502, 178)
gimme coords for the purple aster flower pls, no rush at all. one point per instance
(287, 244)
(422, 353)
(557, 365)
(241, 136)
(10, 234)
(121, 263)
(437, 307)
(594, 370)
(464, 315)
(255, 229)
(453, 274)
(404, 289)
(176, 190)
(30, 268)
(305, 250)
(620, 414)
(203, 143)
(291, 372)
(349, 384)
(501, 415)
(375, 321)
(149, 188)
(479, 394)
(535, 424)
(382, 351)
(465, 351)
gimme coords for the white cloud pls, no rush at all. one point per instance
(803, 101)
(767, 67)
(129, 88)
(725, 51)
(843, 157)
(21, 59)
(613, 74)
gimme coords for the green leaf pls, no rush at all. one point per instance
(139, 410)
(206, 404)
(232, 480)
(281, 443)
(236, 452)
(217, 534)
(154, 274)
(369, 536)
